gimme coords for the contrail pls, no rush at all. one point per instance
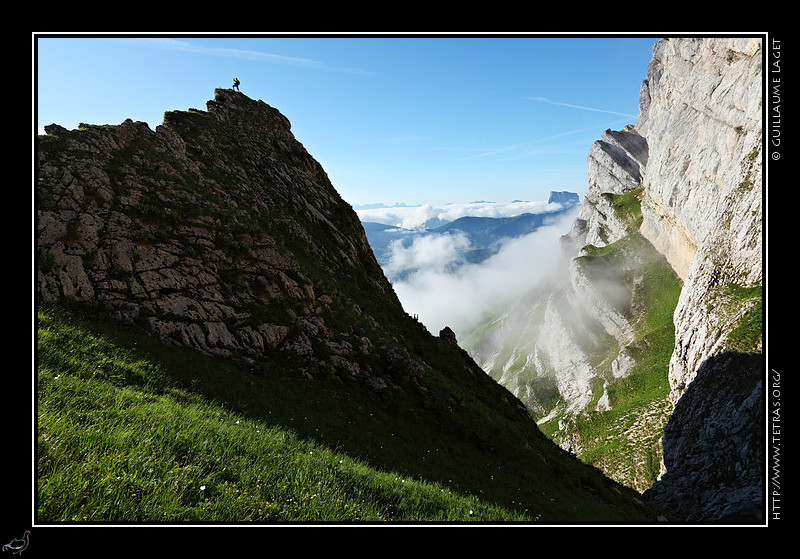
(495, 151)
(546, 100)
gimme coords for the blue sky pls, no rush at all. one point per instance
(391, 119)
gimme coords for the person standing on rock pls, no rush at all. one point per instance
(235, 84)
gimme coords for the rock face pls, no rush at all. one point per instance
(701, 112)
(569, 323)
(614, 166)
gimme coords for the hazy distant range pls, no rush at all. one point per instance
(471, 232)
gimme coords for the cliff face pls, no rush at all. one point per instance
(614, 166)
(701, 112)
(662, 281)
(588, 350)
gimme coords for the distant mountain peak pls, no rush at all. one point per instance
(563, 197)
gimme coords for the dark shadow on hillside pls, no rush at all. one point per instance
(714, 445)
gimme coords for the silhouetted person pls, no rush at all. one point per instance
(236, 84)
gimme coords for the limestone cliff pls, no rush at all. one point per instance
(662, 283)
(593, 343)
(614, 166)
(701, 112)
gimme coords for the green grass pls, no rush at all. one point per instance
(131, 429)
(118, 439)
(628, 207)
(748, 334)
(647, 384)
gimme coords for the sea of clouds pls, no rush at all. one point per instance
(442, 289)
(415, 217)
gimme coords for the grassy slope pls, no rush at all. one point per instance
(120, 438)
(129, 429)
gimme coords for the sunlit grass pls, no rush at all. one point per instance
(118, 442)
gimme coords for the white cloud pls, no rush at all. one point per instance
(442, 297)
(426, 254)
(407, 217)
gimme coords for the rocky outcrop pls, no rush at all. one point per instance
(564, 198)
(216, 231)
(614, 166)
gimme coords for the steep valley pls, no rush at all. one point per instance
(588, 354)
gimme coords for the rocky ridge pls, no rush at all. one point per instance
(614, 166)
(171, 230)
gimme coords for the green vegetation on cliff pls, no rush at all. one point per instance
(625, 440)
(747, 336)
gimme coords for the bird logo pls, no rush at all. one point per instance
(18, 545)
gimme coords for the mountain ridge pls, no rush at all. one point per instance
(483, 235)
